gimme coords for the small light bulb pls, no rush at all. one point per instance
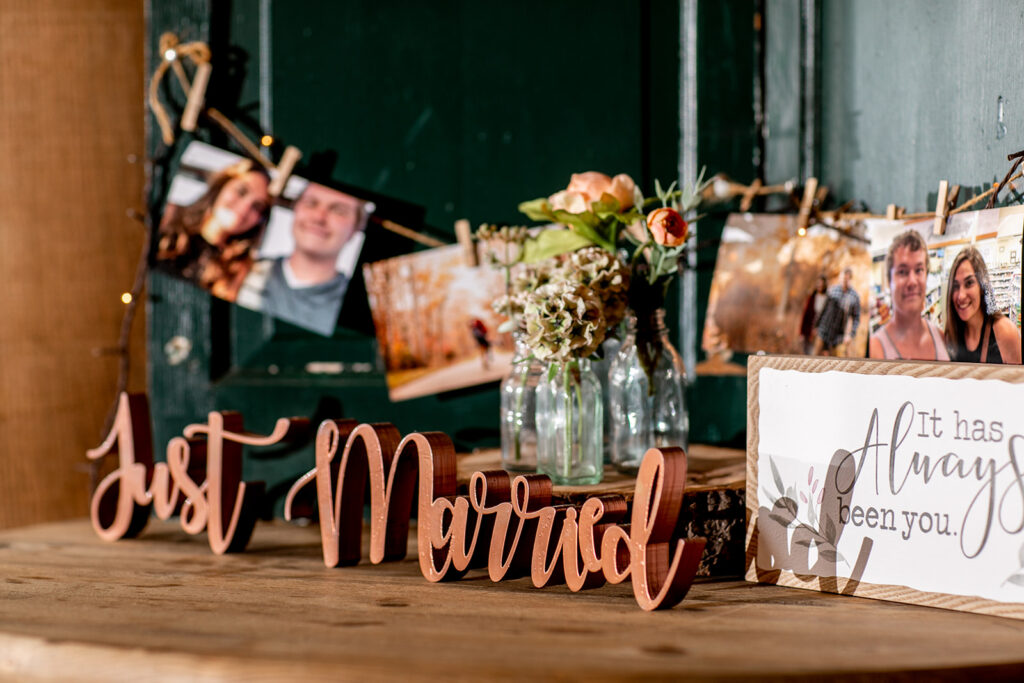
(802, 231)
(170, 55)
(266, 140)
(126, 298)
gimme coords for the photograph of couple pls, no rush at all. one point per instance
(947, 297)
(290, 257)
(779, 291)
(881, 289)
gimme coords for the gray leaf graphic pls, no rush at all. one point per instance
(776, 476)
(1017, 579)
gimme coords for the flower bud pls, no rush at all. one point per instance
(667, 227)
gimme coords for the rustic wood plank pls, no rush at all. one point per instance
(164, 607)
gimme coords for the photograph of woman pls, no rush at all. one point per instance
(975, 331)
(211, 241)
(908, 335)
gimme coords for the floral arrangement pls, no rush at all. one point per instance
(562, 309)
(567, 286)
(611, 214)
(606, 249)
(598, 210)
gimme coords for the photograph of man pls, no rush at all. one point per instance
(842, 311)
(908, 336)
(306, 287)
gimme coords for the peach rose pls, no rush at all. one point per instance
(586, 188)
(667, 227)
(573, 202)
(622, 189)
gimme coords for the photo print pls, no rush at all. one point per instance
(777, 291)
(292, 258)
(435, 327)
(954, 296)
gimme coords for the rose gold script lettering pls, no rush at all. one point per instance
(513, 526)
(221, 503)
(514, 519)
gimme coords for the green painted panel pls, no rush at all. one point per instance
(910, 96)
(433, 103)
(782, 90)
(726, 142)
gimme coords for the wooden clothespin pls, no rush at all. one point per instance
(941, 209)
(749, 194)
(464, 234)
(803, 218)
(196, 96)
(894, 213)
(284, 169)
(819, 196)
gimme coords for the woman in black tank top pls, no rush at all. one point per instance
(962, 353)
(975, 331)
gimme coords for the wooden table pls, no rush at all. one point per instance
(162, 607)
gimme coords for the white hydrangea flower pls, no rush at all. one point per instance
(564, 321)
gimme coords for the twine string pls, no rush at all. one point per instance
(171, 55)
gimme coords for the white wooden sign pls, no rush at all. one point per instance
(892, 480)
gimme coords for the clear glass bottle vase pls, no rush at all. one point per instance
(570, 424)
(519, 409)
(646, 387)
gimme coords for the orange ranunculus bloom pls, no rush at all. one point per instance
(667, 226)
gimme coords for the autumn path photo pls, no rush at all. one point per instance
(435, 326)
